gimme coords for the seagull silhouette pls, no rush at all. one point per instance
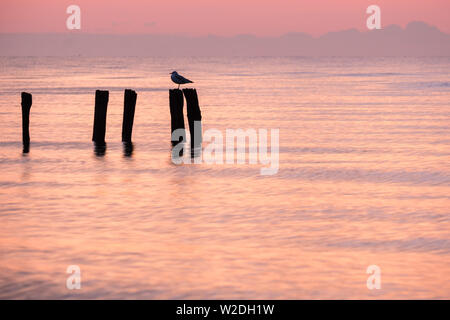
(179, 79)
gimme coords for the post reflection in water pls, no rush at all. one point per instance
(100, 149)
(128, 149)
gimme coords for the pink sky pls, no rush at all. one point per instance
(230, 17)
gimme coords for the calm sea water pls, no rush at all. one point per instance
(364, 179)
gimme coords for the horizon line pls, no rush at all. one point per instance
(365, 31)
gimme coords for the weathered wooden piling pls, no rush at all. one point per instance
(176, 114)
(27, 101)
(129, 106)
(101, 106)
(194, 116)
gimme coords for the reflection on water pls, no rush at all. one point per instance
(128, 148)
(99, 149)
(26, 148)
(364, 180)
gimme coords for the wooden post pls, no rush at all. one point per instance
(176, 114)
(129, 107)
(101, 106)
(26, 106)
(194, 116)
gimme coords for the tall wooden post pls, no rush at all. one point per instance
(129, 106)
(26, 106)
(101, 106)
(194, 116)
(176, 114)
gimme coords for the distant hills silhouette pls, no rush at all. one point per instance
(417, 39)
